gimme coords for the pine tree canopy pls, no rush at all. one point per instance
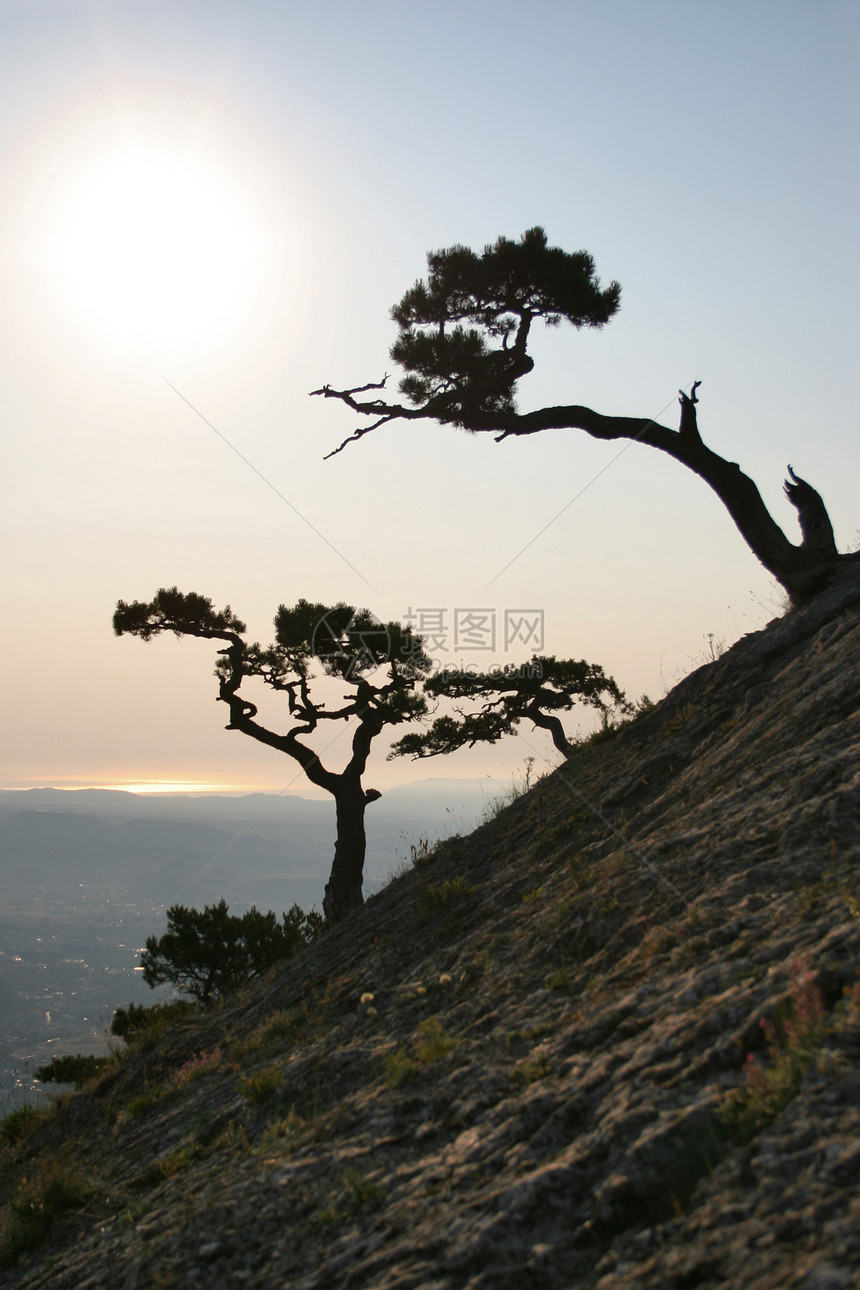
(501, 699)
(463, 330)
(172, 610)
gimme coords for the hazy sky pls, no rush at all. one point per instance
(230, 198)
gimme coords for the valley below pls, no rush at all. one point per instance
(86, 876)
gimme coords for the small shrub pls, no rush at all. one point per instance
(229, 1139)
(210, 953)
(77, 1070)
(640, 709)
(142, 1026)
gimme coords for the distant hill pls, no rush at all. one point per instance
(151, 847)
(428, 796)
(608, 1041)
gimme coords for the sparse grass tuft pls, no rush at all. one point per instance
(852, 902)
(258, 1088)
(286, 1134)
(553, 837)
(282, 1029)
(681, 718)
(20, 1123)
(444, 896)
(793, 1040)
(362, 1191)
(146, 1102)
(196, 1067)
(657, 940)
(530, 1072)
(421, 852)
(499, 941)
(814, 892)
(528, 1035)
(178, 1160)
(330, 1216)
(529, 897)
(41, 1198)
(432, 1044)
(400, 1068)
(515, 790)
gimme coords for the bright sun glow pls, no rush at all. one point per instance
(155, 248)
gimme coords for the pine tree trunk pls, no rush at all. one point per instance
(343, 889)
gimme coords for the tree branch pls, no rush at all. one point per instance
(812, 515)
(797, 567)
(374, 408)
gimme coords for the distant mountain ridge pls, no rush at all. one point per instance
(118, 801)
(152, 847)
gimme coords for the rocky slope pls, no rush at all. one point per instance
(612, 1041)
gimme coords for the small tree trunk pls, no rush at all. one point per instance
(547, 721)
(343, 889)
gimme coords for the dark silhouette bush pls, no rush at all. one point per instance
(207, 954)
(70, 1069)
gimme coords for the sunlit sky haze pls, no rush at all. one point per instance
(224, 201)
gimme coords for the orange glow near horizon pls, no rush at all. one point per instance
(176, 786)
(152, 786)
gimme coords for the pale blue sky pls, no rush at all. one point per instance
(705, 154)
